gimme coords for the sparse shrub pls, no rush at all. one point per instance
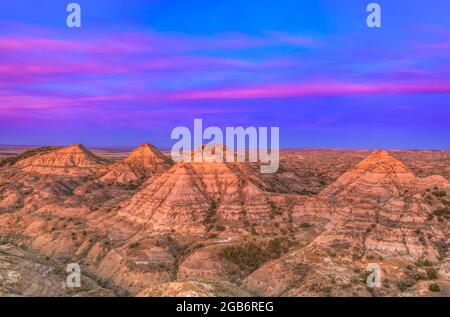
(346, 286)
(332, 254)
(305, 225)
(220, 228)
(442, 212)
(439, 193)
(250, 256)
(212, 236)
(420, 276)
(134, 245)
(305, 192)
(333, 280)
(423, 262)
(434, 288)
(247, 256)
(274, 248)
(432, 274)
(211, 213)
(403, 285)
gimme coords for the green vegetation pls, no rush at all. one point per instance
(305, 192)
(13, 160)
(274, 248)
(305, 225)
(133, 245)
(434, 288)
(439, 193)
(432, 274)
(131, 186)
(220, 228)
(403, 285)
(423, 262)
(250, 256)
(212, 236)
(211, 214)
(442, 212)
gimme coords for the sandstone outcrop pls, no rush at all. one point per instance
(148, 227)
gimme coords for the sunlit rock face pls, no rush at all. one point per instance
(144, 225)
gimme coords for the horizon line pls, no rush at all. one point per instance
(281, 148)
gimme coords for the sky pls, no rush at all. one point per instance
(135, 70)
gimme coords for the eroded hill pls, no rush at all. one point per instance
(146, 226)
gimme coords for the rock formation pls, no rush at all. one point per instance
(141, 164)
(382, 176)
(145, 226)
(61, 161)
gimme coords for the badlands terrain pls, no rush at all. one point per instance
(140, 225)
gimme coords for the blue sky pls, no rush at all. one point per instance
(136, 70)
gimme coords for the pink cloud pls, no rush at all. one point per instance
(152, 42)
(316, 89)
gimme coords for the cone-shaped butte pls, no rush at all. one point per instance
(142, 163)
(190, 196)
(149, 156)
(380, 175)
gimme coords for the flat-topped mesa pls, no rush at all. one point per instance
(71, 156)
(144, 162)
